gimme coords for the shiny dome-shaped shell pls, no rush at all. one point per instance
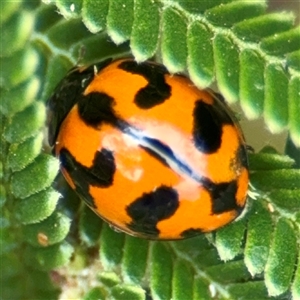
(147, 151)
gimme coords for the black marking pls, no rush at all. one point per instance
(156, 91)
(242, 156)
(151, 208)
(96, 108)
(101, 173)
(66, 95)
(222, 195)
(191, 232)
(208, 124)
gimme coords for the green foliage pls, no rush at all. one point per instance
(17, 99)
(145, 29)
(48, 232)
(26, 173)
(282, 258)
(254, 57)
(22, 154)
(173, 46)
(12, 77)
(13, 43)
(22, 184)
(90, 227)
(36, 207)
(25, 124)
(229, 240)
(120, 31)
(48, 258)
(259, 234)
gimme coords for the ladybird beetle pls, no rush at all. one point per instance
(149, 152)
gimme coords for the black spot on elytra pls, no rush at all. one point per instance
(223, 196)
(191, 232)
(66, 95)
(156, 91)
(151, 208)
(96, 108)
(208, 124)
(100, 174)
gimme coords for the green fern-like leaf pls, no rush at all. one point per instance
(27, 174)
(253, 56)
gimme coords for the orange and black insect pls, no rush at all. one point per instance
(149, 152)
